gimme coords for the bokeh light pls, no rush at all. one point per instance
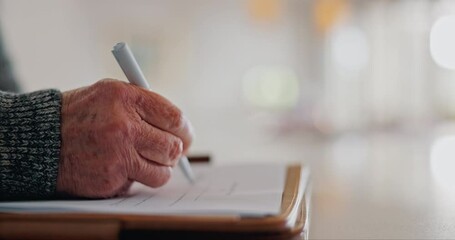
(328, 12)
(443, 162)
(349, 48)
(273, 87)
(265, 10)
(442, 42)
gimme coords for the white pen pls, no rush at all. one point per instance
(134, 74)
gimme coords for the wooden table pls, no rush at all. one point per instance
(370, 184)
(380, 186)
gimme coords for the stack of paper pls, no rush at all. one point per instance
(245, 190)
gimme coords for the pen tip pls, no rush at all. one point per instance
(119, 46)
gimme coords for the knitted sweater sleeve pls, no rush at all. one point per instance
(29, 144)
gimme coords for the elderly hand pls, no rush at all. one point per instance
(114, 133)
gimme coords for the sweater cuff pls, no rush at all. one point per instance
(29, 143)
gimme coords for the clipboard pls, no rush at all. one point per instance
(290, 222)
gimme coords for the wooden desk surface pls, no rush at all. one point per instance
(380, 186)
(365, 185)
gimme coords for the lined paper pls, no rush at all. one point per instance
(247, 190)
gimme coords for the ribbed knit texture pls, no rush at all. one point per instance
(29, 144)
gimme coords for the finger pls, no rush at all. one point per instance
(161, 113)
(158, 146)
(150, 173)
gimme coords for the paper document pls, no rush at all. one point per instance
(247, 190)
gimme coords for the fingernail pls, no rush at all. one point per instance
(189, 125)
(180, 147)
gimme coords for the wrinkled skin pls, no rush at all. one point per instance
(114, 133)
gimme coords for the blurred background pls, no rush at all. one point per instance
(361, 91)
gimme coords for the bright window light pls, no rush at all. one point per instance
(272, 87)
(442, 42)
(443, 162)
(349, 48)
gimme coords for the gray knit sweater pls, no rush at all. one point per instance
(29, 138)
(29, 144)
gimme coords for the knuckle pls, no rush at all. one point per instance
(169, 146)
(125, 127)
(104, 83)
(162, 176)
(141, 99)
(176, 121)
(175, 148)
(111, 88)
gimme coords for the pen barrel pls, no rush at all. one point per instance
(129, 65)
(133, 73)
